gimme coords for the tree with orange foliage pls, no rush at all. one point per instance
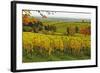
(25, 19)
(85, 30)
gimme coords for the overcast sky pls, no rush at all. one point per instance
(62, 14)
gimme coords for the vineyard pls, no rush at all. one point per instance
(35, 44)
(54, 39)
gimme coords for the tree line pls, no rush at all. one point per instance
(31, 24)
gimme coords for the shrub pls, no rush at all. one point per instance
(71, 30)
(27, 28)
(85, 30)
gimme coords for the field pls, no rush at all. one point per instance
(55, 40)
(63, 25)
(42, 47)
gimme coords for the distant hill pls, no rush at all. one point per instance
(63, 19)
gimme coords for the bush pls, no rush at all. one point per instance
(71, 30)
(27, 28)
(85, 30)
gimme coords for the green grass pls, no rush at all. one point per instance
(39, 58)
(62, 26)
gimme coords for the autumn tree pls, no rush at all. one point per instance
(85, 30)
(71, 30)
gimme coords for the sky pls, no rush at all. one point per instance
(62, 14)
